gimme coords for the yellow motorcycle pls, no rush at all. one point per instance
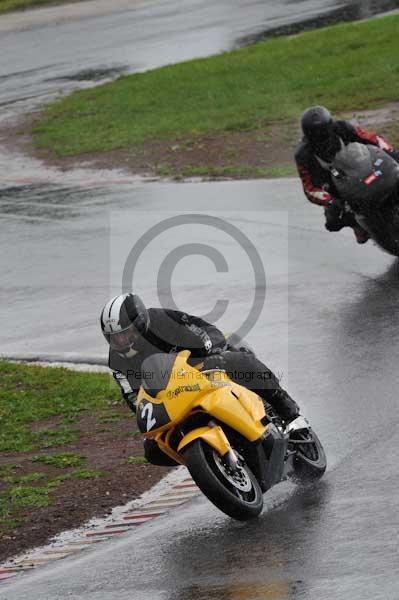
(234, 449)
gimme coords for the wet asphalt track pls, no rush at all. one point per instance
(138, 37)
(328, 326)
(329, 323)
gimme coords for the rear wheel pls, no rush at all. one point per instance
(310, 460)
(235, 491)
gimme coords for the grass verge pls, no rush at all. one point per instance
(34, 401)
(52, 483)
(136, 460)
(234, 172)
(44, 396)
(62, 461)
(345, 67)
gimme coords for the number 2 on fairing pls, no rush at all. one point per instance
(146, 413)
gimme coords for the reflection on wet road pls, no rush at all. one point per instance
(343, 12)
(334, 540)
(328, 324)
(48, 203)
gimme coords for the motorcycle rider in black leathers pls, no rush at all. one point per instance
(135, 332)
(323, 138)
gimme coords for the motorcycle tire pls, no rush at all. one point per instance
(384, 227)
(237, 493)
(310, 461)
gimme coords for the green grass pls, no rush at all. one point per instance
(61, 461)
(18, 499)
(136, 460)
(243, 171)
(11, 5)
(57, 437)
(30, 397)
(392, 132)
(110, 418)
(22, 497)
(77, 474)
(15, 480)
(86, 474)
(30, 394)
(345, 67)
(7, 471)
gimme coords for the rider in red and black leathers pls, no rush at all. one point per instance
(323, 138)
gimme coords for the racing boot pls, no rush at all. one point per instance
(288, 410)
(361, 234)
(282, 403)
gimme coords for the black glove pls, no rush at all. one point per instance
(334, 207)
(349, 219)
(236, 344)
(215, 361)
(333, 214)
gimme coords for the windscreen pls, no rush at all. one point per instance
(354, 160)
(364, 175)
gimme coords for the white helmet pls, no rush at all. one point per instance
(123, 320)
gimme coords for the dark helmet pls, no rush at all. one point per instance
(317, 124)
(123, 320)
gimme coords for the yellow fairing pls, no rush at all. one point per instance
(244, 415)
(188, 389)
(213, 436)
(165, 447)
(186, 384)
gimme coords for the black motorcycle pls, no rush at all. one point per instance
(367, 180)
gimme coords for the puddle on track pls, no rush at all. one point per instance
(95, 74)
(355, 11)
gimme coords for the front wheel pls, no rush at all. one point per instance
(310, 461)
(384, 228)
(235, 492)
